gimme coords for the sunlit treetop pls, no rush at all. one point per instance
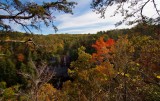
(104, 50)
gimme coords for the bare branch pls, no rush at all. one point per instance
(143, 18)
(156, 7)
(16, 11)
(23, 25)
(16, 17)
(131, 8)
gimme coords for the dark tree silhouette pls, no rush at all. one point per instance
(134, 7)
(34, 13)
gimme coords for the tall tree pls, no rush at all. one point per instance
(31, 13)
(40, 76)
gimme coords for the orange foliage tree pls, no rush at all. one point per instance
(105, 52)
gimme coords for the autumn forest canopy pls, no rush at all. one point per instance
(112, 65)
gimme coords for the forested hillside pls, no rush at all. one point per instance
(114, 65)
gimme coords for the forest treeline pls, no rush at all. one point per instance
(114, 65)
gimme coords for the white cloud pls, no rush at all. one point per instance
(88, 20)
(85, 20)
(93, 30)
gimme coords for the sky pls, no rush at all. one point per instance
(84, 20)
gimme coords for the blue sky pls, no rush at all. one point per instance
(84, 20)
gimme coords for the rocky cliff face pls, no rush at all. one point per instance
(60, 69)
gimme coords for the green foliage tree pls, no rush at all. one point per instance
(8, 72)
(9, 93)
(124, 69)
(87, 84)
(84, 60)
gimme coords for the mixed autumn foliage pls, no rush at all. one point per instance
(117, 65)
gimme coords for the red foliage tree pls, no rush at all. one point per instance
(104, 50)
